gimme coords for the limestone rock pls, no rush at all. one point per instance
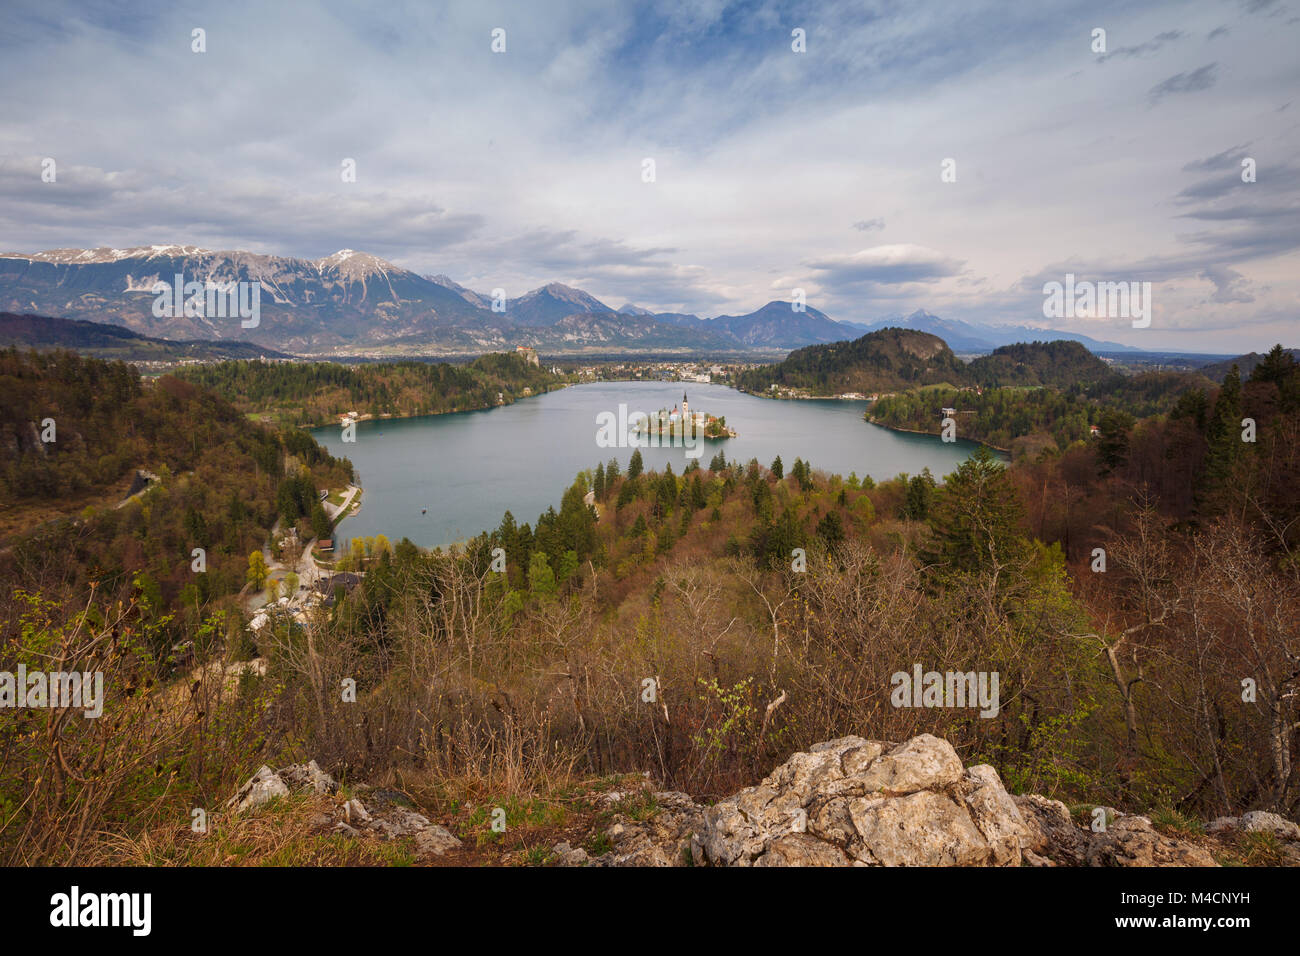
(920, 829)
(1261, 821)
(1131, 841)
(355, 813)
(923, 763)
(665, 839)
(434, 840)
(852, 800)
(566, 855)
(308, 776)
(1051, 832)
(995, 814)
(802, 849)
(261, 788)
(400, 822)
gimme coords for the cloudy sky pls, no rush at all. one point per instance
(774, 169)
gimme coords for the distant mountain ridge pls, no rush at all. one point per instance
(354, 302)
(553, 302)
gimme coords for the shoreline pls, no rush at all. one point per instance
(914, 431)
(803, 398)
(334, 422)
(351, 508)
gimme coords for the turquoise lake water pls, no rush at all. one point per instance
(444, 478)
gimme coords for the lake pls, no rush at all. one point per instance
(444, 478)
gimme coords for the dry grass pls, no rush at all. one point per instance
(281, 833)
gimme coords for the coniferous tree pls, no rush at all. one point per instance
(320, 522)
(831, 529)
(1112, 439)
(920, 492)
(1275, 367)
(697, 498)
(976, 517)
(1224, 440)
(541, 579)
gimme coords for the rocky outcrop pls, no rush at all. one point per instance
(1053, 837)
(1260, 821)
(1131, 840)
(666, 838)
(858, 802)
(390, 815)
(844, 802)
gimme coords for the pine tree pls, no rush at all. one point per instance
(1112, 440)
(831, 529)
(920, 492)
(1223, 436)
(698, 499)
(320, 522)
(541, 579)
(778, 469)
(976, 518)
(1275, 367)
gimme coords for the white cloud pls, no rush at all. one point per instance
(523, 168)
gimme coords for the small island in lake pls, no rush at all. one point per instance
(669, 422)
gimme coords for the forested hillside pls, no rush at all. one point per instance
(102, 340)
(877, 362)
(1027, 419)
(1060, 364)
(316, 393)
(219, 486)
(896, 359)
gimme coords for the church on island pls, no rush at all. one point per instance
(685, 414)
(676, 421)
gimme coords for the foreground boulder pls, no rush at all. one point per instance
(853, 802)
(858, 802)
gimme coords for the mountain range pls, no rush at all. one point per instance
(352, 302)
